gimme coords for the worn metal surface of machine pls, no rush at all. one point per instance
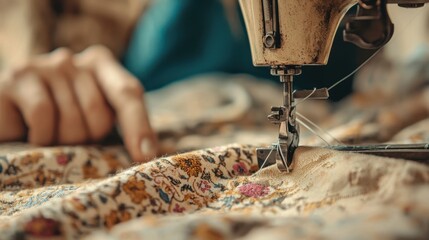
(286, 34)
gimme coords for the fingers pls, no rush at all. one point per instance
(125, 95)
(66, 99)
(59, 103)
(139, 139)
(12, 126)
(36, 106)
(58, 73)
(84, 115)
(97, 113)
(90, 115)
(71, 128)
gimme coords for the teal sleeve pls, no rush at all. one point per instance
(176, 39)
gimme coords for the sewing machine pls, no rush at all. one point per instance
(286, 34)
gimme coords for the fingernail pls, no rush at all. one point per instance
(146, 147)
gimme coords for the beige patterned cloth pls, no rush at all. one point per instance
(329, 195)
(95, 192)
(219, 193)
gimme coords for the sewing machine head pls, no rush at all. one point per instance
(286, 34)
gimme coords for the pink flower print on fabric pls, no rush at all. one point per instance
(240, 169)
(178, 209)
(254, 190)
(63, 159)
(204, 186)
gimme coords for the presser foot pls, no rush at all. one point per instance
(281, 153)
(281, 156)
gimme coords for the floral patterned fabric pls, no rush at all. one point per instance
(169, 185)
(219, 193)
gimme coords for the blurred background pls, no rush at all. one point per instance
(32, 27)
(136, 30)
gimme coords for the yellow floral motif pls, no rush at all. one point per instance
(136, 189)
(31, 159)
(115, 217)
(78, 205)
(112, 161)
(190, 163)
(90, 171)
(40, 178)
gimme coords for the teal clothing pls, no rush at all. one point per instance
(176, 39)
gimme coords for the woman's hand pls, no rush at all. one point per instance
(61, 98)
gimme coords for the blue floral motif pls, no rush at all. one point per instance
(228, 201)
(164, 196)
(3, 159)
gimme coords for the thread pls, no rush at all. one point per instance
(305, 99)
(320, 129)
(312, 131)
